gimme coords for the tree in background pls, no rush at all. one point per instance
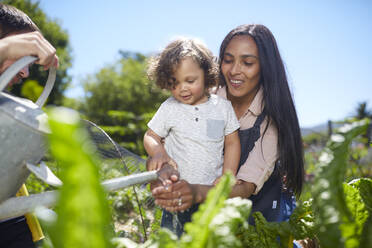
(53, 32)
(121, 100)
(362, 111)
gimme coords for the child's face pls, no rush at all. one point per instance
(189, 88)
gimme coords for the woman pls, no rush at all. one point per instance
(253, 78)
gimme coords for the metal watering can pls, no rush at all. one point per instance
(22, 126)
(22, 130)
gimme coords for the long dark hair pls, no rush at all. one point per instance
(278, 102)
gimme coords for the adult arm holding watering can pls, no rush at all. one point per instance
(19, 37)
(13, 47)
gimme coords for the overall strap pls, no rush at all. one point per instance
(268, 199)
(260, 119)
(248, 137)
(256, 128)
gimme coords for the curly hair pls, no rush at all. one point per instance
(162, 67)
(13, 20)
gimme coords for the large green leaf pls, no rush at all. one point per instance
(330, 206)
(199, 231)
(361, 206)
(280, 234)
(83, 214)
(352, 230)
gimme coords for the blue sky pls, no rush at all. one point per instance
(326, 45)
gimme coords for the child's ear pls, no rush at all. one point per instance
(207, 92)
(212, 90)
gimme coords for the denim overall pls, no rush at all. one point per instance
(275, 204)
(271, 201)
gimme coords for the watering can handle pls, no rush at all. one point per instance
(19, 65)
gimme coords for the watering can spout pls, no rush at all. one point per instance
(45, 174)
(16, 206)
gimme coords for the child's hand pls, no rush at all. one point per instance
(217, 181)
(159, 160)
(168, 175)
(239, 181)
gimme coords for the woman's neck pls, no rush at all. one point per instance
(241, 104)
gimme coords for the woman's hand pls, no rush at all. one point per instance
(180, 195)
(176, 197)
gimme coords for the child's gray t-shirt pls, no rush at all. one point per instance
(194, 136)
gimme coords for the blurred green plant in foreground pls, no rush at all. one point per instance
(338, 215)
(83, 217)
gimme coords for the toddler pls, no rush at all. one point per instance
(199, 129)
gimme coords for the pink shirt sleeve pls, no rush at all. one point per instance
(261, 160)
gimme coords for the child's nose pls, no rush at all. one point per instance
(24, 73)
(184, 86)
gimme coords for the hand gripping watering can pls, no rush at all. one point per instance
(22, 130)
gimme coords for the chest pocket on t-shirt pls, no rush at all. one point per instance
(215, 128)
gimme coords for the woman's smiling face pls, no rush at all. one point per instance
(241, 67)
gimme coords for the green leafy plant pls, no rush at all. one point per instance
(214, 225)
(358, 199)
(333, 219)
(83, 214)
(275, 234)
(338, 214)
(120, 98)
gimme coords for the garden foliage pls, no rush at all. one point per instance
(337, 215)
(121, 100)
